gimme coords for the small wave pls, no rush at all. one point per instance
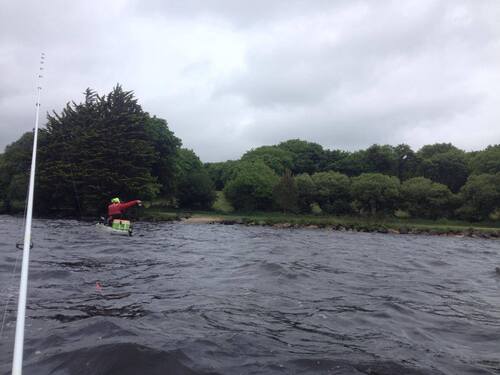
(281, 270)
(82, 265)
(129, 312)
(117, 359)
(345, 367)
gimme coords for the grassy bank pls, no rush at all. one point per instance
(343, 223)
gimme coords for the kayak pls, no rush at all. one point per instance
(120, 227)
(111, 230)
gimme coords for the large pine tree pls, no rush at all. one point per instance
(106, 146)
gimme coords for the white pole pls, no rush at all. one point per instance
(17, 362)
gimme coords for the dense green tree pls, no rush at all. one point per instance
(332, 192)
(448, 168)
(424, 198)
(332, 160)
(375, 192)
(221, 172)
(307, 156)
(195, 189)
(187, 161)
(285, 193)
(214, 171)
(443, 163)
(278, 159)
(486, 161)
(428, 151)
(381, 159)
(306, 190)
(353, 164)
(480, 196)
(386, 159)
(408, 162)
(399, 161)
(15, 165)
(106, 146)
(165, 144)
(252, 187)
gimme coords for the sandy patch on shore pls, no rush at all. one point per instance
(202, 220)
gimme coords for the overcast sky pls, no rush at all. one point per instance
(231, 75)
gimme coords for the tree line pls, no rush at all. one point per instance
(108, 146)
(437, 181)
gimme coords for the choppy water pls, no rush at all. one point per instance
(213, 299)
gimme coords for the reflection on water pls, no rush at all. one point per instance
(213, 299)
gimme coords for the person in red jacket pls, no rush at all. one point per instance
(116, 209)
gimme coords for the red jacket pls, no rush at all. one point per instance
(117, 209)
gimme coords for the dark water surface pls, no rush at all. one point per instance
(213, 299)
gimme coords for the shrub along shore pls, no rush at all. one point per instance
(338, 223)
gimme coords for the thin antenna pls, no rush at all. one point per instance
(17, 362)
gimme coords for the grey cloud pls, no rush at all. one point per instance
(298, 72)
(348, 129)
(80, 53)
(231, 75)
(244, 14)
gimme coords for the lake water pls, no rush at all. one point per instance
(212, 299)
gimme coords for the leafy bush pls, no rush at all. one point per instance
(195, 189)
(481, 196)
(423, 198)
(278, 159)
(285, 193)
(306, 190)
(252, 187)
(486, 161)
(332, 192)
(375, 192)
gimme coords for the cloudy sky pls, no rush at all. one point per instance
(231, 75)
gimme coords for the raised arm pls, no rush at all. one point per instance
(127, 205)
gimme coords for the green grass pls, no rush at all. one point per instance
(222, 204)
(158, 211)
(354, 222)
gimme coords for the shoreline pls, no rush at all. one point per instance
(342, 224)
(350, 224)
